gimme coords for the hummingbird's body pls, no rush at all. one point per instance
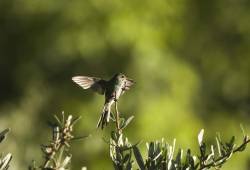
(112, 89)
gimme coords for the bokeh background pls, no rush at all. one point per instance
(190, 60)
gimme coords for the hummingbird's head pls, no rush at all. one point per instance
(123, 79)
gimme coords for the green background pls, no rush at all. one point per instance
(190, 59)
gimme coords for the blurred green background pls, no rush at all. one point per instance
(190, 59)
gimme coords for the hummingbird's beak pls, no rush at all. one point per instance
(130, 81)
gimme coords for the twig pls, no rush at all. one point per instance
(117, 117)
(57, 149)
(238, 149)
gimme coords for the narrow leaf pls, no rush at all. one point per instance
(127, 122)
(138, 158)
(200, 137)
(3, 134)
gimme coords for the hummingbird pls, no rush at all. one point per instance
(112, 90)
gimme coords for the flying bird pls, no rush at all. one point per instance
(112, 89)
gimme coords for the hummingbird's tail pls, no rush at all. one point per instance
(105, 116)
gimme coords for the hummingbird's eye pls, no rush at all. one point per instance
(122, 76)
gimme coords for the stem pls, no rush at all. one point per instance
(51, 157)
(61, 150)
(117, 118)
(238, 149)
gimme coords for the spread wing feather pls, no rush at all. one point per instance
(94, 83)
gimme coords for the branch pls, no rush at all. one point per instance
(219, 160)
(117, 117)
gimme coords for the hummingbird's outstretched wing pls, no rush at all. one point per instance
(94, 83)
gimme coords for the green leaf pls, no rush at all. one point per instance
(4, 164)
(3, 134)
(126, 158)
(178, 158)
(232, 140)
(138, 157)
(73, 122)
(203, 149)
(79, 137)
(189, 160)
(114, 135)
(122, 122)
(59, 123)
(151, 150)
(127, 122)
(230, 144)
(218, 146)
(118, 156)
(129, 166)
(200, 137)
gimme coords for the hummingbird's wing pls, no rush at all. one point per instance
(94, 83)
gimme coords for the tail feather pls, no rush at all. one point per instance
(105, 116)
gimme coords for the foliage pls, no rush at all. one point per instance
(120, 151)
(4, 160)
(56, 153)
(191, 60)
(161, 155)
(123, 154)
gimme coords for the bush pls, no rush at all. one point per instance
(160, 154)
